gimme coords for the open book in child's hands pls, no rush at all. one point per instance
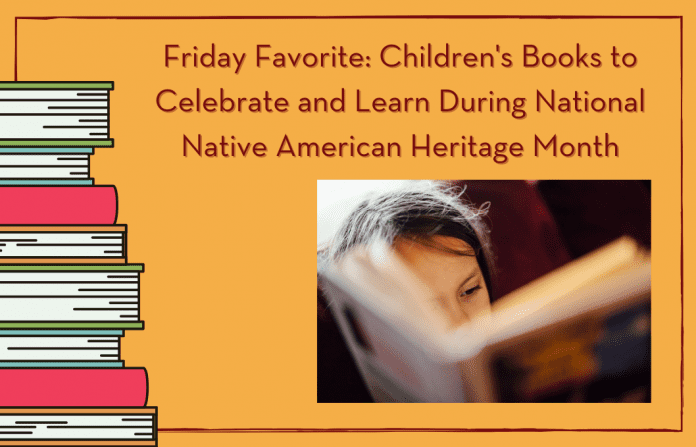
(579, 334)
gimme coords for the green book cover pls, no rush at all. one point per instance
(72, 267)
(57, 85)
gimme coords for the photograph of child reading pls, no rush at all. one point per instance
(483, 291)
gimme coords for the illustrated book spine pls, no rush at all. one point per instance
(58, 205)
(117, 387)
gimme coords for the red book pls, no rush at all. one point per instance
(58, 205)
(108, 387)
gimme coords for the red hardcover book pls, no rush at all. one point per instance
(108, 387)
(58, 205)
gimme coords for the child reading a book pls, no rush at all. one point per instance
(580, 333)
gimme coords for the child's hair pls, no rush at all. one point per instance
(418, 211)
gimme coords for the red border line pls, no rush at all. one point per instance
(521, 17)
(681, 264)
(408, 430)
(345, 17)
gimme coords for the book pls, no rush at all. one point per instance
(108, 387)
(580, 333)
(93, 309)
(55, 114)
(33, 165)
(79, 426)
(35, 348)
(49, 347)
(58, 205)
(40, 296)
(63, 244)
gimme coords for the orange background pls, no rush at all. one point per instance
(228, 292)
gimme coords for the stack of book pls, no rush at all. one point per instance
(67, 291)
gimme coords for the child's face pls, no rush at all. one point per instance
(457, 281)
